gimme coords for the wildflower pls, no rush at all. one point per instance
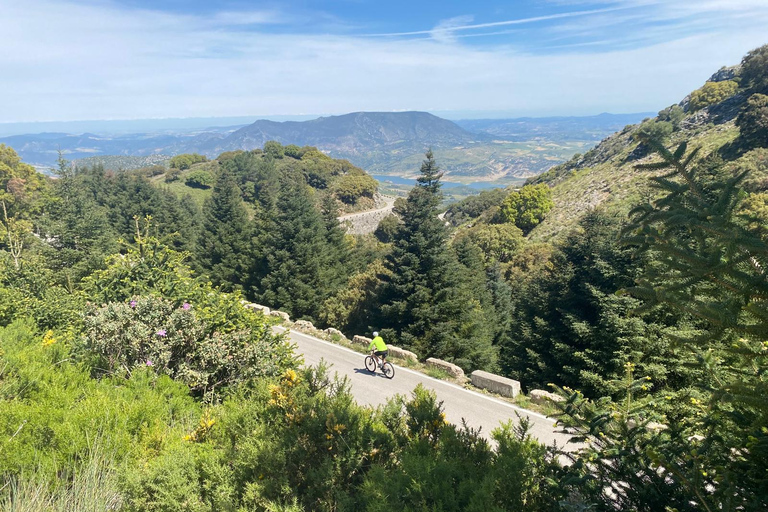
(150, 363)
(186, 306)
(162, 333)
(48, 339)
(133, 303)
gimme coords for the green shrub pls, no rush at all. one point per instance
(200, 179)
(172, 175)
(527, 207)
(185, 161)
(754, 70)
(712, 93)
(753, 122)
(351, 188)
(151, 332)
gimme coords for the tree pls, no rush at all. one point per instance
(527, 207)
(299, 266)
(223, 246)
(753, 122)
(185, 161)
(427, 301)
(754, 70)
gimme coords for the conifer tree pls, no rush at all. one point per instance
(222, 249)
(427, 303)
(300, 254)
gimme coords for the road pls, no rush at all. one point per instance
(478, 410)
(366, 222)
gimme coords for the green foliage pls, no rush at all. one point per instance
(754, 70)
(151, 332)
(274, 149)
(498, 242)
(301, 254)
(474, 206)
(349, 309)
(527, 207)
(429, 300)
(672, 114)
(711, 93)
(753, 122)
(185, 161)
(387, 228)
(652, 129)
(710, 263)
(200, 179)
(350, 188)
(172, 175)
(55, 415)
(223, 248)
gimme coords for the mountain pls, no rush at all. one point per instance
(607, 176)
(384, 143)
(594, 128)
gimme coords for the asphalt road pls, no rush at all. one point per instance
(478, 410)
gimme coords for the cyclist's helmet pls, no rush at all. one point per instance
(375, 333)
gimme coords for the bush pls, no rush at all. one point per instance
(200, 179)
(151, 332)
(712, 93)
(388, 226)
(754, 70)
(187, 160)
(172, 175)
(350, 188)
(753, 122)
(527, 207)
(274, 149)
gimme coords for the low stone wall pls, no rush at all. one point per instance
(362, 340)
(335, 332)
(495, 383)
(401, 353)
(258, 307)
(304, 325)
(281, 314)
(539, 396)
(451, 368)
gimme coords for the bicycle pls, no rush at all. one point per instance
(371, 362)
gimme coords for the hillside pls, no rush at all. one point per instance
(607, 175)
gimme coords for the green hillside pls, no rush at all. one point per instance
(607, 176)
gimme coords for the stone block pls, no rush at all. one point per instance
(285, 316)
(451, 368)
(401, 353)
(335, 332)
(362, 340)
(539, 396)
(258, 307)
(304, 325)
(495, 383)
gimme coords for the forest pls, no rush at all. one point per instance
(132, 377)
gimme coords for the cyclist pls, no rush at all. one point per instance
(380, 347)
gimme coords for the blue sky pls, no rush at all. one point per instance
(129, 59)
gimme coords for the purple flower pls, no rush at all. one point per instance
(186, 306)
(150, 363)
(161, 332)
(133, 303)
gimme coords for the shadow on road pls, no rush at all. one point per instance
(366, 372)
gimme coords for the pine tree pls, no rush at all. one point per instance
(301, 253)
(222, 251)
(427, 303)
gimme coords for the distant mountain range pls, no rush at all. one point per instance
(380, 142)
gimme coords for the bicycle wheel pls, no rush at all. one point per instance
(389, 370)
(370, 364)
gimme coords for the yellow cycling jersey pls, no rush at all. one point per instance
(378, 342)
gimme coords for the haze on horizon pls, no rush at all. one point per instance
(140, 59)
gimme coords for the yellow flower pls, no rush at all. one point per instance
(48, 339)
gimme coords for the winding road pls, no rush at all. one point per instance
(459, 404)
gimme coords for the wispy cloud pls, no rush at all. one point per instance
(64, 60)
(458, 27)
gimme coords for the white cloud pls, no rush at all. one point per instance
(67, 61)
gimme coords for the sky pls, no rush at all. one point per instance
(65, 60)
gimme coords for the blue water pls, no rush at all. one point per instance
(478, 185)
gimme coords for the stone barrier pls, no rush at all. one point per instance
(451, 368)
(335, 332)
(539, 396)
(401, 353)
(304, 325)
(362, 340)
(258, 307)
(284, 316)
(495, 383)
